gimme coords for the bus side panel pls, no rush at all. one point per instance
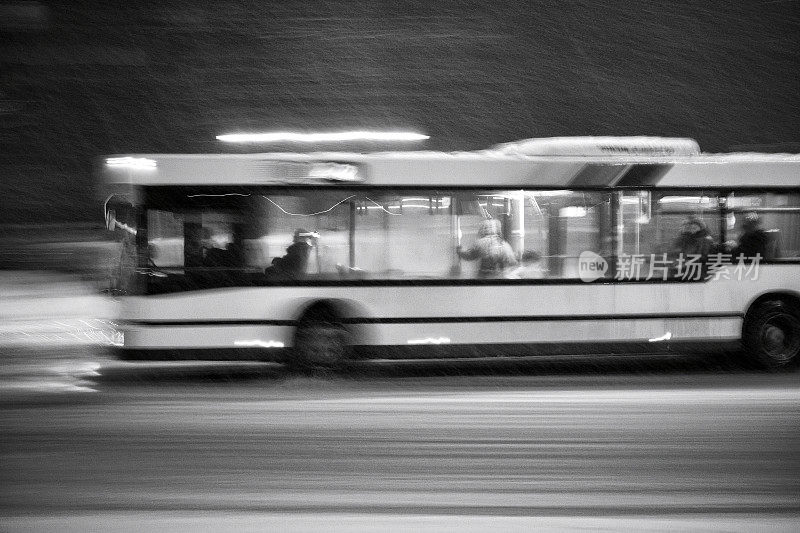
(436, 315)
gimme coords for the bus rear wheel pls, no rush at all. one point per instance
(772, 334)
(320, 345)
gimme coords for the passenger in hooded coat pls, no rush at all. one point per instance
(694, 239)
(494, 253)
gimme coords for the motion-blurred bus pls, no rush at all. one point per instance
(210, 269)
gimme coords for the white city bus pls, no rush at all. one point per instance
(595, 225)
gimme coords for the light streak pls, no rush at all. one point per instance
(217, 195)
(139, 163)
(273, 202)
(665, 337)
(259, 343)
(307, 214)
(430, 340)
(344, 136)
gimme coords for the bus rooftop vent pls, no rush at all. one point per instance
(601, 146)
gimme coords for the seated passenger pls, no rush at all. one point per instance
(753, 240)
(226, 264)
(694, 239)
(234, 256)
(494, 253)
(216, 258)
(294, 265)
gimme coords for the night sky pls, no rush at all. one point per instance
(83, 79)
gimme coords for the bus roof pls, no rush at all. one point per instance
(561, 162)
(601, 146)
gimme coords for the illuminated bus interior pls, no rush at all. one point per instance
(204, 238)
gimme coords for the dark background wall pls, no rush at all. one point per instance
(82, 79)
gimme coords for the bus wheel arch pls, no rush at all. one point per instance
(325, 335)
(771, 331)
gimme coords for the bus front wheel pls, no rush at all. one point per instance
(772, 334)
(320, 344)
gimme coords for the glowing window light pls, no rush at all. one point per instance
(573, 211)
(131, 162)
(685, 200)
(287, 136)
(533, 194)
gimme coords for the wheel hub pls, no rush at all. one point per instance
(322, 346)
(780, 339)
(774, 338)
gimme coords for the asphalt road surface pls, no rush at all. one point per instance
(250, 448)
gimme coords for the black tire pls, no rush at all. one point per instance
(320, 344)
(772, 334)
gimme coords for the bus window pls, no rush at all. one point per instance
(583, 222)
(200, 240)
(165, 238)
(658, 230)
(193, 239)
(190, 248)
(321, 219)
(547, 230)
(777, 215)
(559, 226)
(672, 210)
(404, 236)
